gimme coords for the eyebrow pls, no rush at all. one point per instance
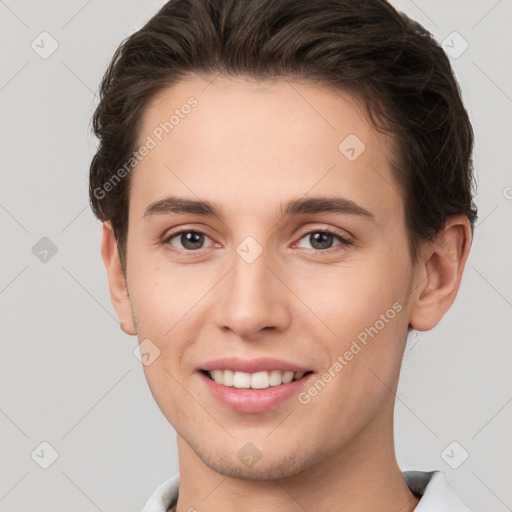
(310, 205)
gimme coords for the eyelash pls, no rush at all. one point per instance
(343, 240)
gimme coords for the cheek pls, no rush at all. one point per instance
(365, 307)
(164, 297)
(170, 305)
(347, 299)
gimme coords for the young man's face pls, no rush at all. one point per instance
(263, 283)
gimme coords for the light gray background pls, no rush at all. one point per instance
(68, 375)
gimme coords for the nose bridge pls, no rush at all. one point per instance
(253, 299)
(250, 274)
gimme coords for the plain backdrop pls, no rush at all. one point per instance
(68, 375)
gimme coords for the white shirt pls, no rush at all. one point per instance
(436, 493)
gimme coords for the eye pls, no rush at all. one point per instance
(320, 240)
(190, 240)
(193, 240)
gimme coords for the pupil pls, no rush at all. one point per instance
(317, 239)
(191, 239)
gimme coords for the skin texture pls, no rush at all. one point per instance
(251, 147)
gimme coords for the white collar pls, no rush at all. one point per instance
(164, 496)
(436, 493)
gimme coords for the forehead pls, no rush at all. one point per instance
(255, 111)
(235, 140)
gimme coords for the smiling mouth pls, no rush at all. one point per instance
(257, 380)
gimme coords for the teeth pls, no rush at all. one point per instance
(241, 380)
(258, 380)
(226, 376)
(275, 378)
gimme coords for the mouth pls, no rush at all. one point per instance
(258, 380)
(253, 385)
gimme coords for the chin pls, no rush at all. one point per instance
(260, 471)
(249, 463)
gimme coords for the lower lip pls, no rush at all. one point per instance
(253, 400)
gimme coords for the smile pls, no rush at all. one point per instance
(257, 380)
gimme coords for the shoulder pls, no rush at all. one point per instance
(435, 492)
(164, 496)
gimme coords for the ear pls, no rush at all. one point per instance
(439, 273)
(116, 280)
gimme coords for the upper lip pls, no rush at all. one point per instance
(252, 365)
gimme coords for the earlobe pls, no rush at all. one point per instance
(116, 280)
(439, 275)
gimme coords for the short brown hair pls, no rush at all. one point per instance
(369, 49)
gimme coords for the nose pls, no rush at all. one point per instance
(254, 299)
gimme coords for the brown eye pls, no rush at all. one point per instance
(322, 240)
(189, 240)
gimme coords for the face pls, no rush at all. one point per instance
(279, 279)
